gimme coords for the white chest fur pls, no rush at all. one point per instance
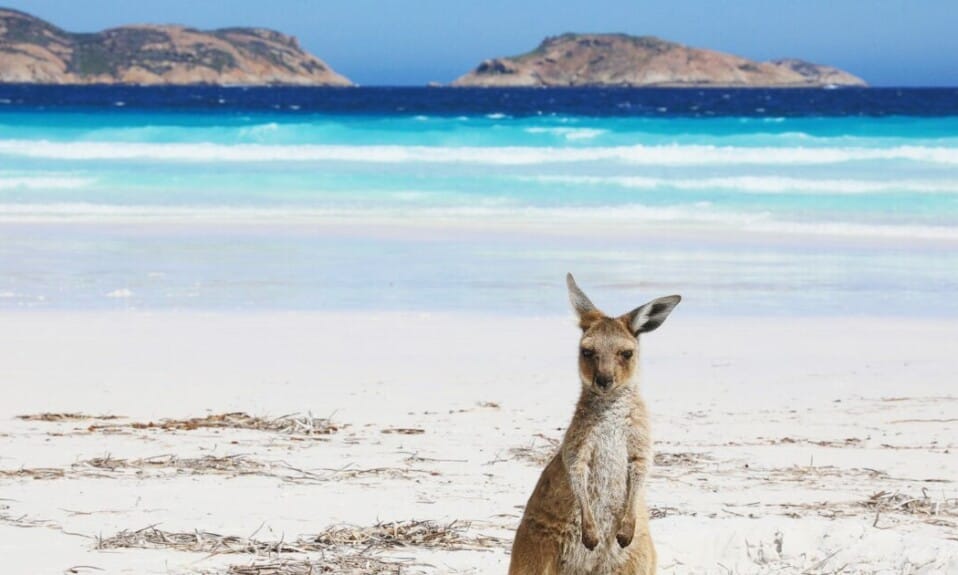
(607, 488)
(608, 469)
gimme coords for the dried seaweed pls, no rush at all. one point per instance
(228, 465)
(194, 541)
(297, 425)
(897, 502)
(57, 417)
(404, 430)
(34, 473)
(422, 534)
(353, 564)
(344, 549)
(233, 465)
(425, 534)
(539, 452)
(682, 459)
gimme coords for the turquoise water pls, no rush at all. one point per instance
(165, 210)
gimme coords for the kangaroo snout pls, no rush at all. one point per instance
(603, 381)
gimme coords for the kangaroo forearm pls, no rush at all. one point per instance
(638, 469)
(578, 473)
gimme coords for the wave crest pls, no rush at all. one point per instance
(657, 155)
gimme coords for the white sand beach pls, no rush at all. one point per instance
(807, 445)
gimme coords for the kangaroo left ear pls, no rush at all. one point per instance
(583, 306)
(651, 315)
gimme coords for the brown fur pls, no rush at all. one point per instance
(587, 514)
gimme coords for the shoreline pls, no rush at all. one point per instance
(413, 226)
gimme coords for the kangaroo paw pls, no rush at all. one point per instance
(589, 538)
(625, 533)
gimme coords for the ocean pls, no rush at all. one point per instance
(747, 202)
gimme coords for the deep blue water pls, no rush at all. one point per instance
(592, 102)
(745, 201)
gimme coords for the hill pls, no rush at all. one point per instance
(35, 51)
(623, 60)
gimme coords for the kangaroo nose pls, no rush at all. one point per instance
(603, 381)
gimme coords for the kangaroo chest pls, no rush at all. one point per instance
(609, 435)
(609, 468)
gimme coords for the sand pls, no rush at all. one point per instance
(390, 442)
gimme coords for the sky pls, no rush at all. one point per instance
(412, 42)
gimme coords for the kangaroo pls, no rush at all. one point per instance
(587, 514)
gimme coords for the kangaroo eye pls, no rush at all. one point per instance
(588, 352)
(627, 354)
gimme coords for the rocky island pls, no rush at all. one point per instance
(623, 60)
(35, 51)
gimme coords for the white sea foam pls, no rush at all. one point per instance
(701, 216)
(269, 128)
(570, 134)
(662, 155)
(762, 184)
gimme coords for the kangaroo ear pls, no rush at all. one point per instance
(583, 307)
(651, 315)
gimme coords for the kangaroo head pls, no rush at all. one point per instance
(609, 346)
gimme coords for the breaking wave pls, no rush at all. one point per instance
(655, 155)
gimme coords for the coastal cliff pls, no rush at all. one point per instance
(35, 51)
(623, 60)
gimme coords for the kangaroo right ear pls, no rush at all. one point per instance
(581, 303)
(646, 318)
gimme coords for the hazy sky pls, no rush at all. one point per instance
(888, 42)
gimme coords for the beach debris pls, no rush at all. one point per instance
(812, 474)
(236, 465)
(40, 473)
(538, 452)
(680, 458)
(354, 564)
(382, 536)
(844, 443)
(293, 424)
(68, 416)
(194, 541)
(897, 502)
(109, 467)
(233, 465)
(404, 430)
(411, 533)
(349, 472)
(661, 512)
